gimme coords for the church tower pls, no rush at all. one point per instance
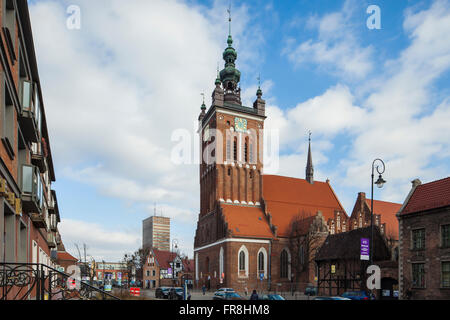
(231, 142)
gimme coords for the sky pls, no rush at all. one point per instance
(120, 84)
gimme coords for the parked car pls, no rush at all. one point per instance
(271, 297)
(162, 292)
(331, 298)
(176, 293)
(311, 290)
(228, 296)
(356, 295)
(223, 290)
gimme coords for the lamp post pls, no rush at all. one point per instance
(103, 261)
(380, 182)
(174, 244)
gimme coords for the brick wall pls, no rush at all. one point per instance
(431, 256)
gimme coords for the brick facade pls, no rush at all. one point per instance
(424, 244)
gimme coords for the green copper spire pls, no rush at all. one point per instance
(230, 76)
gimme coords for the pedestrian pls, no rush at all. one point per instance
(204, 289)
(246, 291)
(254, 295)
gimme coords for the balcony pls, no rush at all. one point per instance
(51, 240)
(53, 223)
(38, 158)
(31, 189)
(38, 220)
(29, 117)
(53, 204)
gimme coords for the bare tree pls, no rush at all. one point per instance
(306, 234)
(135, 263)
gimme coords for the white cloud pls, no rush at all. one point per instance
(336, 48)
(101, 243)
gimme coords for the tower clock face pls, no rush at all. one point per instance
(240, 125)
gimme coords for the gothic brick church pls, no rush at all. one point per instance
(254, 231)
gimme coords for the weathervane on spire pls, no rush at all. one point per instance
(203, 95)
(229, 19)
(259, 80)
(310, 133)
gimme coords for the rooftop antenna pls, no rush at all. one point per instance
(154, 209)
(203, 95)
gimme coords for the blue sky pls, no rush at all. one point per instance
(116, 89)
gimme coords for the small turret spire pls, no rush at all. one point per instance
(259, 91)
(309, 164)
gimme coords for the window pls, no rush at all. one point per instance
(9, 23)
(418, 239)
(418, 275)
(229, 171)
(302, 255)
(242, 261)
(246, 150)
(235, 149)
(154, 273)
(148, 273)
(284, 264)
(445, 236)
(261, 261)
(445, 277)
(8, 121)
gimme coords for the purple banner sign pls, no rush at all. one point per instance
(365, 249)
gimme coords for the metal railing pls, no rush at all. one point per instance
(30, 281)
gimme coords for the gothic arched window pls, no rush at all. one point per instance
(261, 262)
(242, 261)
(246, 150)
(235, 149)
(284, 263)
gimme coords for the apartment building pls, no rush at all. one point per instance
(156, 233)
(29, 214)
(424, 259)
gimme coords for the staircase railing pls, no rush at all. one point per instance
(30, 281)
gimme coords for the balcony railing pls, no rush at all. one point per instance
(29, 118)
(31, 189)
(38, 158)
(27, 281)
(51, 240)
(38, 220)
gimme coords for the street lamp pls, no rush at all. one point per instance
(174, 244)
(380, 182)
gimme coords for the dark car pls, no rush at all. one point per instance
(310, 290)
(271, 297)
(176, 293)
(228, 296)
(356, 295)
(331, 298)
(162, 292)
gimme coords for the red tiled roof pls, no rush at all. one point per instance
(246, 221)
(287, 197)
(64, 255)
(429, 196)
(164, 258)
(387, 210)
